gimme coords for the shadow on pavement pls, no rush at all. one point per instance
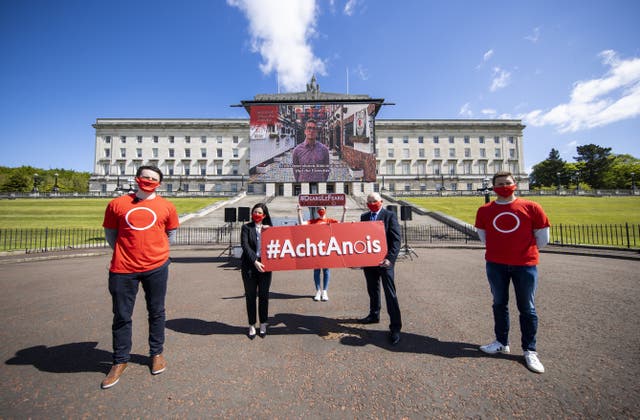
(70, 358)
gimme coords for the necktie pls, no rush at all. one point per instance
(373, 217)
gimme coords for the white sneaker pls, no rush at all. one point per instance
(325, 296)
(263, 329)
(318, 295)
(533, 363)
(495, 347)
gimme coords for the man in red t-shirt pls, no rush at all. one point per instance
(139, 227)
(321, 292)
(513, 229)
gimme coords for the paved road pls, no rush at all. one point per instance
(55, 344)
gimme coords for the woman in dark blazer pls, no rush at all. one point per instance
(256, 281)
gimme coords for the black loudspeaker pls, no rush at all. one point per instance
(229, 215)
(243, 214)
(393, 208)
(405, 213)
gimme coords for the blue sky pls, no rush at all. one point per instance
(569, 69)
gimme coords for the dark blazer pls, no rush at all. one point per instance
(249, 244)
(392, 230)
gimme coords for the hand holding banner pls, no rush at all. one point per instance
(358, 244)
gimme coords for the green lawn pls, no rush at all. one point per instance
(76, 213)
(560, 210)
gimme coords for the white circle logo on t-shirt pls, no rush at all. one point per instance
(140, 218)
(506, 222)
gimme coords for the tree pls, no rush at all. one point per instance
(545, 173)
(597, 162)
(619, 174)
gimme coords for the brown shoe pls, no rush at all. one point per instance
(158, 364)
(114, 375)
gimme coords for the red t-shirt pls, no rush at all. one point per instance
(509, 231)
(142, 243)
(321, 221)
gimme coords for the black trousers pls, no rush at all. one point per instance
(374, 276)
(256, 285)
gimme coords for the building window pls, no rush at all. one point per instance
(391, 168)
(406, 168)
(420, 140)
(482, 168)
(107, 139)
(467, 167)
(219, 169)
(172, 139)
(187, 139)
(452, 169)
(156, 139)
(154, 152)
(466, 140)
(203, 152)
(203, 139)
(512, 153)
(139, 139)
(103, 188)
(123, 139)
(436, 152)
(170, 168)
(483, 152)
(469, 186)
(453, 186)
(122, 168)
(235, 153)
(389, 140)
(436, 169)
(405, 139)
(187, 153)
(234, 169)
(123, 153)
(185, 187)
(107, 152)
(496, 140)
(187, 170)
(203, 169)
(421, 167)
(497, 166)
(235, 139)
(390, 153)
(497, 152)
(481, 139)
(201, 187)
(407, 187)
(105, 168)
(451, 140)
(139, 153)
(452, 152)
(219, 153)
(169, 187)
(511, 140)
(219, 139)
(421, 153)
(436, 139)
(467, 152)
(172, 153)
(405, 154)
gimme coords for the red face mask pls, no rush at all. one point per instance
(505, 191)
(147, 185)
(322, 212)
(257, 217)
(375, 206)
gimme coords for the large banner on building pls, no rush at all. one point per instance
(312, 142)
(357, 244)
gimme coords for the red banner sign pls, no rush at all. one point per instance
(357, 244)
(315, 200)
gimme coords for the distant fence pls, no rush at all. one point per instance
(57, 239)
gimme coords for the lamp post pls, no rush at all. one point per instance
(118, 189)
(382, 183)
(633, 183)
(130, 180)
(55, 184)
(577, 182)
(558, 181)
(35, 184)
(486, 190)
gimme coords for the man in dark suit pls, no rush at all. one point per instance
(385, 270)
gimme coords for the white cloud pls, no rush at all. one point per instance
(350, 6)
(535, 36)
(280, 32)
(488, 112)
(486, 57)
(597, 102)
(465, 110)
(501, 78)
(361, 72)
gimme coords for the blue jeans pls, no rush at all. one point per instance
(124, 288)
(525, 282)
(325, 278)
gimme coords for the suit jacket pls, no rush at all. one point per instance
(249, 244)
(392, 231)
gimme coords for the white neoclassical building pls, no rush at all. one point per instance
(212, 156)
